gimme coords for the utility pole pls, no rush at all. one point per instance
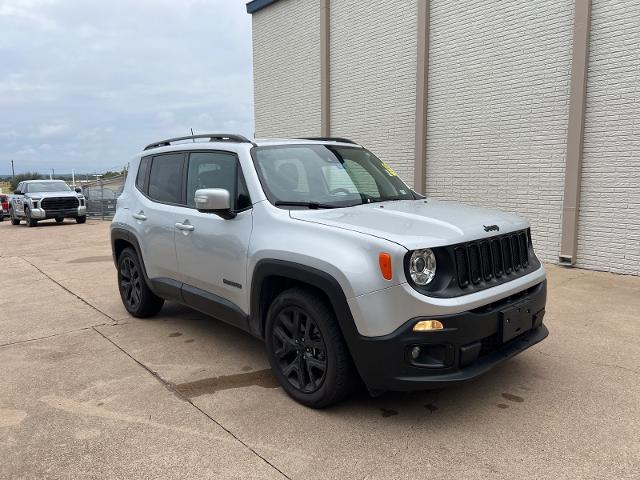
(13, 172)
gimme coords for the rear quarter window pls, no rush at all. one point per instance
(143, 174)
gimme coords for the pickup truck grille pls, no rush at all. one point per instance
(484, 263)
(59, 203)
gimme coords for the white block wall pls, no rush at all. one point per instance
(498, 101)
(609, 220)
(286, 69)
(373, 77)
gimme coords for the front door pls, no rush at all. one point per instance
(212, 251)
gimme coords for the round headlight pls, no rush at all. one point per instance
(422, 266)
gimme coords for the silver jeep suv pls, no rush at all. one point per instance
(36, 200)
(318, 248)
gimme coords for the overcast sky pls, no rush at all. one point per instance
(85, 84)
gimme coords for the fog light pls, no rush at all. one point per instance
(427, 325)
(415, 352)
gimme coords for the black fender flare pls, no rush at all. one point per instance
(302, 273)
(365, 364)
(118, 233)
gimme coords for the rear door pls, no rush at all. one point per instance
(159, 197)
(212, 251)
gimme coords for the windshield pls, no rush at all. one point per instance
(47, 187)
(326, 176)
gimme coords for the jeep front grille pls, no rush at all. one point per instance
(59, 203)
(492, 260)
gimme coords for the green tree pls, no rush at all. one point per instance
(24, 176)
(111, 174)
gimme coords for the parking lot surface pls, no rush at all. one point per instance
(88, 391)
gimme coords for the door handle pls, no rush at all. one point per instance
(139, 216)
(185, 227)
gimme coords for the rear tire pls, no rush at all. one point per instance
(59, 219)
(307, 352)
(14, 220)
(81, 219)
(30, 221)
(136, 296)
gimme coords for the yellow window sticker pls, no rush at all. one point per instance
(389, 169)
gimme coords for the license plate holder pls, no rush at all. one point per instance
(515, 321)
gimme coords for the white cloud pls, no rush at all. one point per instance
(96, 81)
(52, 129)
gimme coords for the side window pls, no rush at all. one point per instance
(143, 174)
(164, 179)
(216, 170)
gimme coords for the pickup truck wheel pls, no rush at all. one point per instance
(14, 220)
(59, 219)
(81, 219)
(307, 351)
(30, 221)
(136, 296)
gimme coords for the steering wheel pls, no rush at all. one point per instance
(340, 190)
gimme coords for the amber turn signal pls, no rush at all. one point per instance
(427, 325)
(385, 265)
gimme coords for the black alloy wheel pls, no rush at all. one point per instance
(136, 296)
(130, 283)
(300, 349)
(306, 349)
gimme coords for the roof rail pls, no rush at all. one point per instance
(330, 139)
(213, 137)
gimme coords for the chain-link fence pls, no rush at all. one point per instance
(102, 195)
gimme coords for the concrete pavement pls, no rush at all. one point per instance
(88, 391)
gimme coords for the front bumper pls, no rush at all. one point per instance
(42, 214)
(470, 344)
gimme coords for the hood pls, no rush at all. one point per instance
(417, 223)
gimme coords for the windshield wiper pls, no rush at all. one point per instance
(311, 205)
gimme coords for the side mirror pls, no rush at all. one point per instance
(214, 200)
(17, 192)
(78, 190)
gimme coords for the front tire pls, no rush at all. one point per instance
(136, 296)
(306, 350)
(81, 219)
(14, 220)
(30, 221)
